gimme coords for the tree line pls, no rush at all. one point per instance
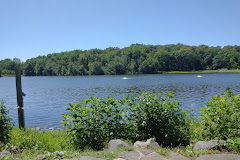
(135, 59)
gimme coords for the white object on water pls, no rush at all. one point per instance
(124, 78)
(199, 76)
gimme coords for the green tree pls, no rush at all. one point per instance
(95, 68)
(149, 66)
(29, 68)
(135, 59)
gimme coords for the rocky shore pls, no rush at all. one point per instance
(149, 151)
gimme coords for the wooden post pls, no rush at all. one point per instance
(19, 98)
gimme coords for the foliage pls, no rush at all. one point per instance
(220, 118)
(234, 144)
(5, 123)
(159, 117)
(7, 66)
(135, 59)
(94, 122)
(196, 131)
(37, 140)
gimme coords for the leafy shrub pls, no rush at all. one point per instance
(5, 123)
(159, 117)
(234, 144)
(94, 122)
(196, 131)
(220, 118)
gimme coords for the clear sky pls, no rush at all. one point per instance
(29, 28)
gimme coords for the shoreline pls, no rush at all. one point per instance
(160, 72)
(201, 71)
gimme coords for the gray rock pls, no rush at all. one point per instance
(145, 151)
(208, 145)
(68, 159)
(153, 156)
(130, 155)
(115, 143)
(60, 152)
(82, 158)
(219, 157)
(150, 142)
(5, 152)
(176, 156)
(89, 158)
(140, 154)
(137, 154)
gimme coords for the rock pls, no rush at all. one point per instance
(144, 152)
(153, 156)
(68, 159)
(5, 152)
(176, 156)
(130, 155)
(89, 158)
(208, 145)
(219, 157)
(140, 154)
(115, 143)
(150, 142)
(60, 152)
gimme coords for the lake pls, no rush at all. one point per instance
(48, 97)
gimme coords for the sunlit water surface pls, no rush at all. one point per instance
(48, 97)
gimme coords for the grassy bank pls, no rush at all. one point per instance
(7, 75)
(47, 144)
(202, 71)
(42, 145)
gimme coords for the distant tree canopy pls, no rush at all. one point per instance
(135, 59)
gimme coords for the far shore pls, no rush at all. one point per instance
(174, 72)
(200, 71)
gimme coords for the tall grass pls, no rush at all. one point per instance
(38, 140)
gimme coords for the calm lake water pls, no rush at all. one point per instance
(48, 97)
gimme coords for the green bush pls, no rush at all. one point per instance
(234, 144)
(5, 123)
(94, 122)
(159, 117)
(220, 118)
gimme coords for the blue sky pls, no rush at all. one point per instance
(29, 28)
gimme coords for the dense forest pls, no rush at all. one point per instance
(135, 59)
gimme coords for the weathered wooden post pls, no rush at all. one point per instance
(20, 98)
